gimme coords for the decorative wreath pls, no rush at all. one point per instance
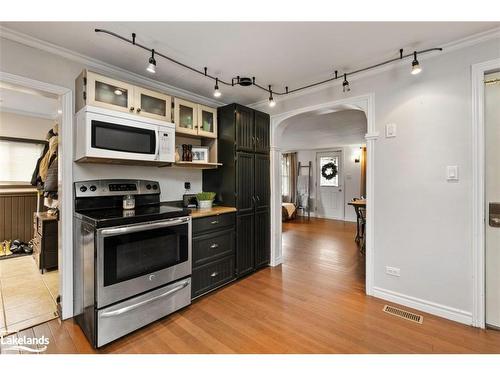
(329, 171)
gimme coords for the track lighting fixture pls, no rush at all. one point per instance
(152, 63)
(345, 84)
(247, 81)
(272, 102)
(217, 92)
(415, 66)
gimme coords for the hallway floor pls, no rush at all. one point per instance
(27, 298)
(313, 303)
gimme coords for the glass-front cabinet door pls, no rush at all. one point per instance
(152, 104)
(207, 121)
(185, 117)
(109, 93)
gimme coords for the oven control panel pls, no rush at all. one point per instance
(103, 188)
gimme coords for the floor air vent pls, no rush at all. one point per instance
(403, 314)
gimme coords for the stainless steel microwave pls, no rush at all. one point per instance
(103, 134)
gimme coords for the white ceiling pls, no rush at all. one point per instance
(276, 53)
(323, 130)
(27, 102)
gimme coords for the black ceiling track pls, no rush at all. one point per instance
(246, 81)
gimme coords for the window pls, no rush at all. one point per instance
(18, 160)
(324, 160)
(285, 173)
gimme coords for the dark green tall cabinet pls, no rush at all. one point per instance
(243, 181)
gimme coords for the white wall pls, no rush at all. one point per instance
(19, 59)
(423, 224)
(351, 173)
(20, 126)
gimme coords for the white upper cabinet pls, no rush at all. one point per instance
(195, 119)
(97, 90)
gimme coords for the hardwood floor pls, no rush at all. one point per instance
(313, 303)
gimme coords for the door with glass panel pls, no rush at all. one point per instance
(207, 121)
(153, 104)
(185, 117)
(492, 195)
(109, 93)
(329, 192)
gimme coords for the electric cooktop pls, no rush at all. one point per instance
(111, 217)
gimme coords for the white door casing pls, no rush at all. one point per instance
(329, 193)
(492, 195)
(65, 183)
(478, 193)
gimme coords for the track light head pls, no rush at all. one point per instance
(345, 84)
(272, 102)
(415, 66)
(217, 92)
(152, 63)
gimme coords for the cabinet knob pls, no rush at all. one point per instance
(138, 110)
(214, 274)
(132, 109)
(214, 246)
(214, 222)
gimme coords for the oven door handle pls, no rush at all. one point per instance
(126, 309)
(142, 227)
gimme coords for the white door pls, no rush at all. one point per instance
(330, 196)
(492, 190)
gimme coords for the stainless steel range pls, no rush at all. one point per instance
(131, 266)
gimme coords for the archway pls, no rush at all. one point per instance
(365, 103)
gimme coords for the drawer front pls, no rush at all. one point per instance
(212, 275)
(118, 320)
(213, 223)
(209, 247)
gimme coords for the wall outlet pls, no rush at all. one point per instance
(393, 271)
(187, 185)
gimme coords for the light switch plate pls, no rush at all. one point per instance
(390, 130)
(452, 173)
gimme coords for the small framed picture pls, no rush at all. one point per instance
(200, 154)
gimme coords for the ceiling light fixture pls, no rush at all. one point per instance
(152, 63)
(345, 84)
(217, 92)
(272, 102)
(118, 92)
(246, 81)
(415, 66)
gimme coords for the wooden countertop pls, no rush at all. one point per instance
(216, 210)
(358, 203)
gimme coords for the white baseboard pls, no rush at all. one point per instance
(276, 262)
(433, 308)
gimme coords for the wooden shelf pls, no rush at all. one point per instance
(196, 165)
(195, 136)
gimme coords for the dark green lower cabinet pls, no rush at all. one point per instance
(213, 255)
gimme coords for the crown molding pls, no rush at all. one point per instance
(104, 68)
(448, 47)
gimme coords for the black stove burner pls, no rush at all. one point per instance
(110, 217)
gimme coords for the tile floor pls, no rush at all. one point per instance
(27, 297)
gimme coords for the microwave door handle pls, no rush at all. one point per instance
(142, 227)
(157, 148)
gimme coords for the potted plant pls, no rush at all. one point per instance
(205, 199)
